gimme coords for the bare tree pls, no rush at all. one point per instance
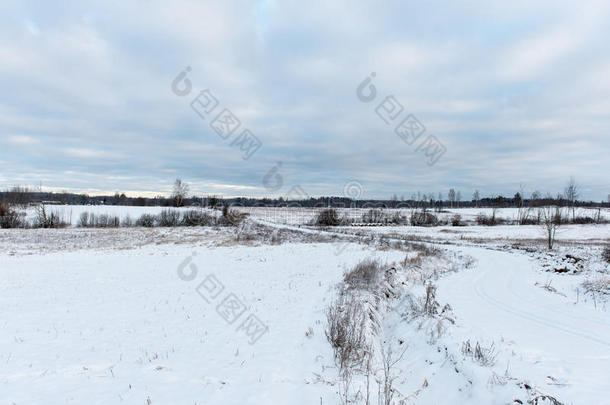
(451, 196)
(476, 197)
(571, 194)
(181, 189)
(458, 198)
(550, 220)
(19, 195)
(440, 202)
(535, 198)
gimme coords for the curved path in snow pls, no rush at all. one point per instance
(548, 333)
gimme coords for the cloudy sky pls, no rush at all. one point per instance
(517, 93)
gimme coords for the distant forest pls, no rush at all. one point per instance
(23, 196)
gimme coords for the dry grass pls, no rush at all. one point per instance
(606, 254)
(354, 319)
(485, 356)
(600, 286)
(365, 275)
(346, 332)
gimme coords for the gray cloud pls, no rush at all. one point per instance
(518, 94)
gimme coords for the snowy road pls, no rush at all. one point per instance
(562, 346)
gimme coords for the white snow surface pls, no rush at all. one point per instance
(106, 327)
(103, 316)
(555, 344)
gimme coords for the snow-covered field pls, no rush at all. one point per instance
(205, 315)
(301, 215)
(294, 215)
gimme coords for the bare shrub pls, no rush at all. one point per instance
(524, 215)
(485, 356)
(386, 380)
(146, 220)
(377, 216)
(83, 220)
(583, 220)
(231, 217)
(90, 220)
(398, 219)
(127, 221)
(114, 221)
(101, 221)
(423, 218)
(599, 219)
(346, 332)
(530, 220)
(600, 286)
(46, 219)
(372, 216)
(456, 220)
(551, 219)
(169, 218)
(9, 218)
(606, 254)
(490, 220)
(328, 217)
(198, 218)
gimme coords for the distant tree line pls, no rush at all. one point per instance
(568, 198)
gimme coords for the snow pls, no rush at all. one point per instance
(500, 233)
(111, 316)
(289, 215)
(543, 336)
(121, 326)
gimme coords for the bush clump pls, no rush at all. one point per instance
(90, 220)
(146, 220)
(198, 218)
(372, 217)
(173, 218)
(377, 216)
(9, 218)
(490, 220)
(606, 254)
(46, 219)
(328, 217)
(423, 218)
(230, 217)
(169, 218)
(581, 220)
(456, 220)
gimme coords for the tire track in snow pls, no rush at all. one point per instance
(531, 316)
